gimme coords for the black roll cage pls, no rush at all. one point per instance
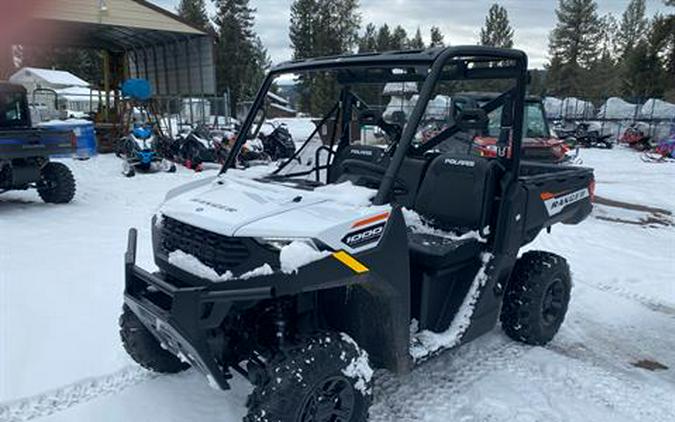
(435, 61)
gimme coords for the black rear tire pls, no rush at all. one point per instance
(537, 298)
(144, 348)
(314, 382)
(57, 184)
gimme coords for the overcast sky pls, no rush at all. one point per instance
(460, 20)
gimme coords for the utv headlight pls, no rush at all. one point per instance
(278, 243)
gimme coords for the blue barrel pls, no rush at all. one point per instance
(84, 133)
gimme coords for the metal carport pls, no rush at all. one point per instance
(176, 57)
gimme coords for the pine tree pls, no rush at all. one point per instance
(609, 35)
(239, 65)
(301, 28)
(194, 11)
(436, 37)
(320, 28)
(633, 27)
(577, 33)
(384, 38)
(574, 45)
(664, 28)
(368, 42)
(497, 31)
(417, 42)
(399, 38)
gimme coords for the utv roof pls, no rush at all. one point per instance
(403, 58)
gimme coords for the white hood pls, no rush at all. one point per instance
(236, 206)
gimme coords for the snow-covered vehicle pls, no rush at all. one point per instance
(304, 279)
(25, 151)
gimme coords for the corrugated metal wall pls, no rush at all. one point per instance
(183, 67)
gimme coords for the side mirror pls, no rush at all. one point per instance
(472, 118)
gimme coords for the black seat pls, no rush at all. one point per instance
(367, 153)
(455, 196)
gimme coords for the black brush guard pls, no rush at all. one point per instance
(180, 315)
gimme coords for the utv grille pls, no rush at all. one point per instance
(222, 253)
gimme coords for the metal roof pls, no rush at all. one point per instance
(114, 25)
(54, 77)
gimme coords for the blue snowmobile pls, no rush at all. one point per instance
(145, 147)
(141, 149)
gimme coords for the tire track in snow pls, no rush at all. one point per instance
(437, 382)
(643, 300)
(590, 379)
(60, 399)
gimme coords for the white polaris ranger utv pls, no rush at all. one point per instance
(305, 277)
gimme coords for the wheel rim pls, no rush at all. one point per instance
(552, 306)
(331, 400)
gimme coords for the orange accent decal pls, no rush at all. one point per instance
(372, 219)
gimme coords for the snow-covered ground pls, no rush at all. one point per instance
(61, 282)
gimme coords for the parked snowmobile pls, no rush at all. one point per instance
(663, 152)
(636, 136)
(278, 144)
(144, 147)
(140, 149)
(585, 137)
(301, 280)
(195, 147)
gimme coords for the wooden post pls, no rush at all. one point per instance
(106, 84)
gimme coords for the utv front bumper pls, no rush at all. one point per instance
(180, 316)
(180, 309)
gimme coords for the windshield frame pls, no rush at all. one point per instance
(435, 61)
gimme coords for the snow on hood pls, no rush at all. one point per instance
(298, 254)
(233, 205)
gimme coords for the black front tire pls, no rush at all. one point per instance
(144, 348)
(57, 184)
(317, 380)
(537, 298)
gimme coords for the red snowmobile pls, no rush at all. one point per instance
(637, 137)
